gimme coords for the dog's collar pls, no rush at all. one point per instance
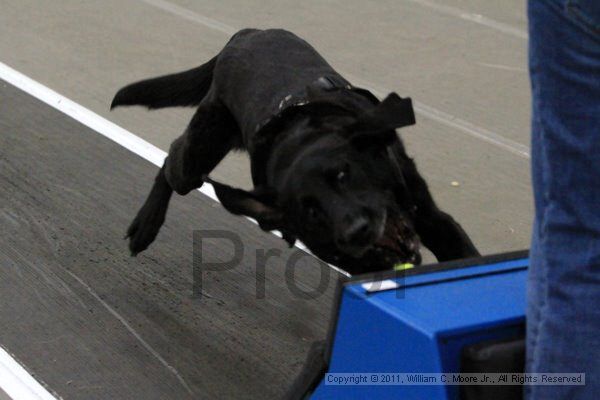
(313, 94)
(323, 84)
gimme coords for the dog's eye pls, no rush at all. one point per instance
(342, 175)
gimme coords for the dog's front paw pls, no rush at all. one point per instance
(144, 228)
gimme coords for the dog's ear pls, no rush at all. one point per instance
(256, 204)
(377, 125)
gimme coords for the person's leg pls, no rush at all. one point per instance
(536, 285)
(564, 287)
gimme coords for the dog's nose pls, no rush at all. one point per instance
(358, 233)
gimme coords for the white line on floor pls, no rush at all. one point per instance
(17, 383)
(449, 120)
(503, 67)
(192, 16)
(424, 110)
(476, 18)
(133, 332)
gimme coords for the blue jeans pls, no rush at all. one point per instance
(563, 316)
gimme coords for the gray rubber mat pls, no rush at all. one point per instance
(93, 323)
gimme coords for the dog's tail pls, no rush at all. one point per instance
(186, 88)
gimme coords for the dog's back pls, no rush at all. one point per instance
(250, 76)
(258, 68)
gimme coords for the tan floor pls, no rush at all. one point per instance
(462, 61)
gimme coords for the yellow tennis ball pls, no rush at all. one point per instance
(403, 266)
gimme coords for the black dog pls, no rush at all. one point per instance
(327, 165)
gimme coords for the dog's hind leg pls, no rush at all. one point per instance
(210, 135)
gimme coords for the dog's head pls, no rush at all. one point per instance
(333, 187)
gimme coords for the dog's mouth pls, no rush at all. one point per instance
(398, 243)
